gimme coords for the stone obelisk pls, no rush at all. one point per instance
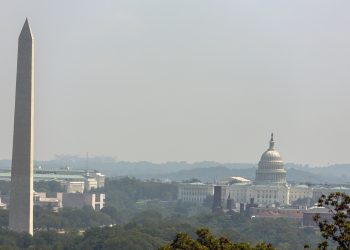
(21, 197)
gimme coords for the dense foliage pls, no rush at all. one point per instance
(337, 230)
(154, 229)
(205, 241)
(145, 215)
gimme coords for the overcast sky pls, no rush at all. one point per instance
(183, 80)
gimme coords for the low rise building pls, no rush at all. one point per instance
(90, 183)
(195, 192)
(270, 212)
(300, 192)
(74, 186)
(2, 205)
(71, 179)
(53, 203)
(318, 191)
(100, 178)
(308, 216)
(79, 200)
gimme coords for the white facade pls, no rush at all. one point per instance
(74, 186)
(260, 194)
(194, 192)
(2, 205)
(100, 178)
(299, 192)
(239, 193)
(90, 183)
(318, 191)
(279, 194)
(270, 185)
(269, 194)
(271, 167)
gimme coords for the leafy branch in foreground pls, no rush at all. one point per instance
(337, 229)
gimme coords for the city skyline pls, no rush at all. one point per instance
(113, 80)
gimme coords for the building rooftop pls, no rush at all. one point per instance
(6, 176)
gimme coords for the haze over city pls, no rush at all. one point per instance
(174, 125)
(183, 80)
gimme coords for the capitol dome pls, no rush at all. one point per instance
(271, 167)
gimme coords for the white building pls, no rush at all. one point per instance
(2, 205)
(300, 192)
(90, 183)
(74, 186)
(195, 192)
(270, 185)
(100, 178)
(317, 192)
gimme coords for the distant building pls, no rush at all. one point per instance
(100, 178)
(52, 203)
(72, 200)
(234, 180)
(308, 216)
(270, 185)
(71, 180)
(230, 204)
(2, 205)
(78, 200)
(194, 192)
(271, 212)
(300, 192)
(90, 183)
(74, 186)
(318, 191)
(217, 201)
(75, 183)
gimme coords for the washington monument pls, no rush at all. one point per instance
(21, 199)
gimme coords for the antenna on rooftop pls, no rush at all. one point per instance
(87, 162)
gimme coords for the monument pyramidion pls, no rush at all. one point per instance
(21, 196)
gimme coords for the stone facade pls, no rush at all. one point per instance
(195, 192)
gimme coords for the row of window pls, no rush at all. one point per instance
(192, 199)
(267, 196)
(193, 193)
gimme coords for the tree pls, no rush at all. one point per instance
(338, 229)
(206, 241)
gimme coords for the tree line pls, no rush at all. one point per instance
(164, 223)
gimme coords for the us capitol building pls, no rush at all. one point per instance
(269, 187)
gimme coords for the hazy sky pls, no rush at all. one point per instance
(184, 79)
